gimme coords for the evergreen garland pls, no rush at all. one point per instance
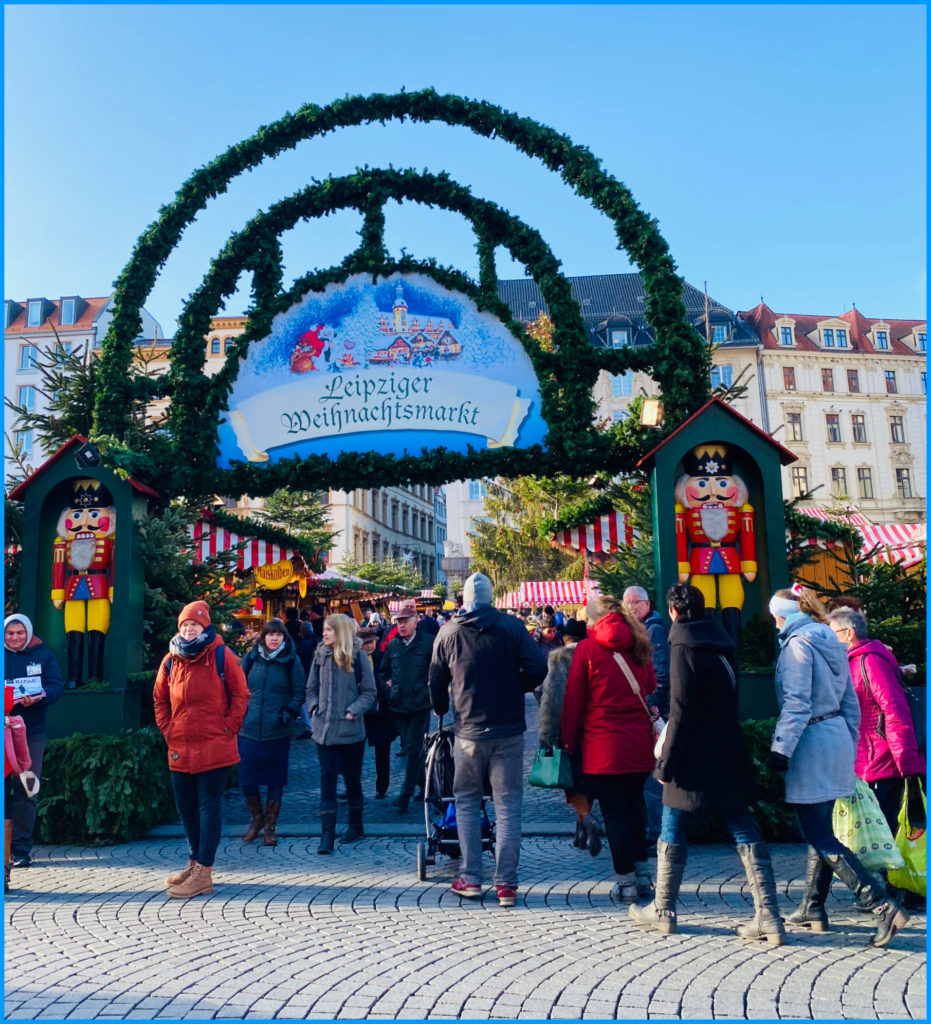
(678, 359)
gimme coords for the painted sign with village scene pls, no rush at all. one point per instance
(402, 364)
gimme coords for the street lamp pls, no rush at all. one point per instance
(651, 412)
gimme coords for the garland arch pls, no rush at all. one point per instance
(566, 375)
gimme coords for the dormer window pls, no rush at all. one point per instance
(35, 312)
(785, 336)
(718, 334)
(620, 337)
(841, 335)
(827, 337)
(67, 312)
(921, 342)
(882, 340)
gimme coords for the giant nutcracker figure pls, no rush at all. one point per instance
(82, 575)
(715, 542)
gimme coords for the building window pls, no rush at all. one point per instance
(853, 381)
(34, 313)
(28, 357)
(897, 429)
(827, 337)
(892, 388)
(24, 442)
(827, 379)
(865, 483)
(619, 415)
(622, 384)
(924, 382)
(788, 378)
(718, 334)
(785, 335)
(858, 422)
(832, 421)
(799, 481)
(227, 344)
(794, 426)
(882, 340)
(722, 376)
(476, 490)
(903, 483)
(394, 515)
(838, 481)
(215, 346)
(922, 341)
(620, 337)
(26, 397)
(62, 351)
(841, 336)
(66, 312)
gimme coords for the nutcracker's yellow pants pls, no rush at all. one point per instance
(730, 591)
(93, 614)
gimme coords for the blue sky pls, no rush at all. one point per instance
(781, 148)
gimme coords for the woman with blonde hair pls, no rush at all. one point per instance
(340, 689)
(815, 743)
(605, 717)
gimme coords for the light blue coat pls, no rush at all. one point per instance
(812, 679)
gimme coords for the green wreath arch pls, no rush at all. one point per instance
(566, 375)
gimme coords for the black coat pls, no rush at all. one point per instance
(276, 692)
(704, 761)
(379, 722)
(487, 661)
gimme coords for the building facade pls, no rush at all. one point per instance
(848, 395)
(32, 330)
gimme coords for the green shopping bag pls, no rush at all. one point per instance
(861, 826)
(913, 846)
(551, 769)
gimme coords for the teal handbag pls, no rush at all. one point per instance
(551, 769)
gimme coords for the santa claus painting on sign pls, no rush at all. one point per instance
(715, 540)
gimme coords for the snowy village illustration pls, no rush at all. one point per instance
(411, 344)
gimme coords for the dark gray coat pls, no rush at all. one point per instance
(552, 691)
(276, 692)
(332, 692)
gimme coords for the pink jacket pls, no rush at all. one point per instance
(896, 756)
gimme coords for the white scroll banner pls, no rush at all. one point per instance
(377, 400)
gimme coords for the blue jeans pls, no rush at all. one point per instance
(503, 760)
(740, 824)
(197, 797)
(815, 821)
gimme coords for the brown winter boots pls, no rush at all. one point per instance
(181, 876)
(272, 810)
(256, 818)
(198, 883)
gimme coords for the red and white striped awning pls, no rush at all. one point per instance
(554, 592)
(210, 539)
(509, 600)
(606, 533)
(395, 606)
(896, 542)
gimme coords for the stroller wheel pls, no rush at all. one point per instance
(421, 862)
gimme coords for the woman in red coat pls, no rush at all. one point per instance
(199, 714)
(604, 718)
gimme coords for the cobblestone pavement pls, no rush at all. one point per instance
(287, 934)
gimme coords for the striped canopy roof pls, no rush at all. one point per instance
(896, 542)
(606, 533)
(210, 539)
(554, 592)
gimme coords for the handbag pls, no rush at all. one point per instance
(551, 769)
(912, 844)
(657, 724)
(861, 826)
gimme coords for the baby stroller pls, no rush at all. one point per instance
(440, 807)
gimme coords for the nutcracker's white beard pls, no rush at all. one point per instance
(714, 522)
(81, 553)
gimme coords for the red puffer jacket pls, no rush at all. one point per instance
(600, 712)
(897, 755)
(199, 716)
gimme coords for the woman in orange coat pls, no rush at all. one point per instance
(199, 709)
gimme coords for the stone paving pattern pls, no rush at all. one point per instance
(287, 934)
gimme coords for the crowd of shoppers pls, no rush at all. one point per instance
(601, 680)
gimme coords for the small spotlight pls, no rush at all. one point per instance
(87, 456)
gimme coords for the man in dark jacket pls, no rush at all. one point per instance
(29, 665)
(405, 669)
(487, 661)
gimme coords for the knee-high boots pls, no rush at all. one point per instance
(766, 923)
(660, 914)
(811, 912)
(327, 828)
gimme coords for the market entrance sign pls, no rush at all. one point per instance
(403, 361)
(382, 370)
